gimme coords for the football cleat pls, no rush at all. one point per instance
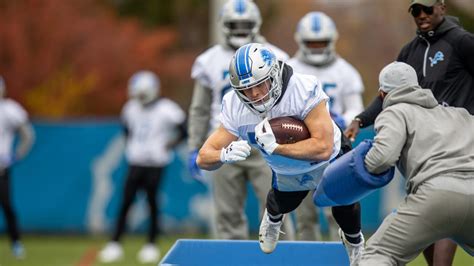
(269, 233)
(354, 251)
(112, 252)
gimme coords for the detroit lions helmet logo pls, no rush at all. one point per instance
(439, 56)
(267, 56)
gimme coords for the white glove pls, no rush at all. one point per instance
(265, 137)
(235, 152)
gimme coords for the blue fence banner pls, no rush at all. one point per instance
(72, 181)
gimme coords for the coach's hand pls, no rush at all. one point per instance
(235, 152)
(265, 137)
(353, 130)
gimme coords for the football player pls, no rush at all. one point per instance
(316, 35)
(240, 21)
(150, 123)
(13, 119)
(263, 88)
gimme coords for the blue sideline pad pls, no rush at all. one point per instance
(194, 252)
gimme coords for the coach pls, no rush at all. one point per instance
(434, 150)
(442, 54)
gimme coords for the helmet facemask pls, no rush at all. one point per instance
(144, 86)
(265, 102)
(239, 33)
(320, 55)
(240, 22)
(314, 30)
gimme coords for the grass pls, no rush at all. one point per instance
(79, 250)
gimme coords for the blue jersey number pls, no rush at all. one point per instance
(326, 88)
(227, 87)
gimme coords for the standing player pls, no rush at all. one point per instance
(316, 36)
(13, 119)
(263, 88)
(149, 123)
(240, 21)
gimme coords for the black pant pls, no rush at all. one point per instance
(148, 179)
(6, 205)
(347, 217)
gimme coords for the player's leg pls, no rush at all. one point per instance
(278, 204)
(113, 250)
(149, 253)
(348, 219)
(260, 177)
(307, 221)
(152, 184)
(130, 190)
(444, 251)
(332, 224)
(10, 216)
(465, 234)
(230, 193)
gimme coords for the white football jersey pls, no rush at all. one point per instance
(12, 116)
(340, 80)
(211, 70)
(151, 128)
(302, 95)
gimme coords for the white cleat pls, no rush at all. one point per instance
(148, 254)
(112, 252)
(354, 251)
(18, 250)
(268, 234)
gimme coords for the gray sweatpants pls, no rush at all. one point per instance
(230, 193)
(442, 207)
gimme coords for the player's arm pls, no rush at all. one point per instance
(199, 116)
(319, 146)
(388, 143)
(210, 155)
(353, 106)
(27, 138)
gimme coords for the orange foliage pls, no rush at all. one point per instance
(73, 58)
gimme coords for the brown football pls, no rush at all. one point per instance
(288, 130)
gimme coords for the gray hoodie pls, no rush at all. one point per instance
(423, 138)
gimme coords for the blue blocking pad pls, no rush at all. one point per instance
(347, 181)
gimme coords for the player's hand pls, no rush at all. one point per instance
(265, 137)
(235, 152)
(193, 168)
(352, 130)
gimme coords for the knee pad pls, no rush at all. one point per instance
(346, 180)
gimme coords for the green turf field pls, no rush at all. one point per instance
(82, 250)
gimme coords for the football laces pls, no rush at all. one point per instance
(292, 127)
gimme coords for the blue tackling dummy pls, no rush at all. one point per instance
(347, 181)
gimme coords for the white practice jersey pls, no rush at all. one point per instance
(302, 95)
(151, 128)
(341, 82)
(211, 70)
(12, 116)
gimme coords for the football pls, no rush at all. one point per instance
(288, 130)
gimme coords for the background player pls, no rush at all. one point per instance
(13, 120)
(316, 35)
(150, 125)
